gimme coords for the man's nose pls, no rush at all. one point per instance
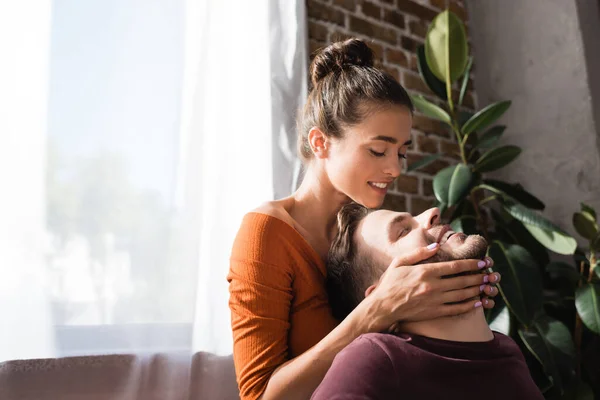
(429, 218)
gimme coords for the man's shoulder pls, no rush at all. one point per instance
(388, 343)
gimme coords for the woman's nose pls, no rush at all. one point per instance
(393, 168)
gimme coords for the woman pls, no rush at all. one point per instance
(353, 135)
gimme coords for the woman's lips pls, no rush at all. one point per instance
(381, 190)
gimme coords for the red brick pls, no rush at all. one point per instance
(373, 30)
(414, 82)
(428, 125)
(393, 71)
(317, 31)
(396, 57)
(389, 1)
(410, 44)
(419, 205)
(439, 4)
(395, 18)
(427, 144)
(427, 187)
(430, 169)
(314, 46)
(338, 35)
(418, 28)
(416, 9)
(450, 149)
(371, 10)
(459, 10)
(324, 12)
(413, 63)
(407, 184)
(377, 50)
(394, 202)
(349, 5)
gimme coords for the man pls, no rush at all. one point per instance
(451, 358)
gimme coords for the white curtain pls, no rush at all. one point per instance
(134, 136)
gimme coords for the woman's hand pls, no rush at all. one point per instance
(408, 292)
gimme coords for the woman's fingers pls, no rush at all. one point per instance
(456, 309)
(416, 256)
(455, 267)
(488, 303)
(456, 296)
(461, 282)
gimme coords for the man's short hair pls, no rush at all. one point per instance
(349, 273)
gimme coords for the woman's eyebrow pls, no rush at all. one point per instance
(391, 140)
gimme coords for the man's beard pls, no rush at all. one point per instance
(473, 247)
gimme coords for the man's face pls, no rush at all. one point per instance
(385, 234)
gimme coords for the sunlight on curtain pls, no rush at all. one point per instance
(137, 134)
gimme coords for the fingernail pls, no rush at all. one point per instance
(486, 279)
(486, 301)
(488, 261)
(495, 277)
(481, 264)
(432, 246)
(478, 304)
(481, 288)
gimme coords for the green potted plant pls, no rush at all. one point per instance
(551, 309)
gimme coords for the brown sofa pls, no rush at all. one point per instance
(202, 376)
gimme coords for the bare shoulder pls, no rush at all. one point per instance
(278, 209)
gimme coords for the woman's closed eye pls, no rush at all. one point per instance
(379, 154)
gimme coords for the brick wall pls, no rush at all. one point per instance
(394, 29)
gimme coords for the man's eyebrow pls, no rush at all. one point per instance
(391, 140)
(398, 219)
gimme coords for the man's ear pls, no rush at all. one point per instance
(370, 289)
(319, 142)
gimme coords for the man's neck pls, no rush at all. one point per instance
(469, 327)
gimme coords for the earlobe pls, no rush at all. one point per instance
(318, 142)
(370, 290)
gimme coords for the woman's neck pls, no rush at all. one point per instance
(316, 204)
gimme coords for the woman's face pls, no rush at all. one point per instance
(364, 164)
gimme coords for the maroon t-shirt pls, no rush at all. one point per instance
(385, 366)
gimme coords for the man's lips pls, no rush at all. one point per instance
(445, 228)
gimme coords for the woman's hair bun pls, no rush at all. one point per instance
(338, 56)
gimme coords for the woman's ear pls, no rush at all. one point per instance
(370, 289)
(319, 143)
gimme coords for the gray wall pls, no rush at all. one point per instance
(544, 55)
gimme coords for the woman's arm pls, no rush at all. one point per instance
(410, 292)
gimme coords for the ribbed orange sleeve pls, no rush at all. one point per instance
(260, 286)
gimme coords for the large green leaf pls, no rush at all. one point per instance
(465, 82)
(516, 192)
(590, 210)
(587, 301)
(497, 158)
(429, 109)
(438, 87)
(521, 285)
(446, 47)
(423, 162)
(452, 183)
(441, 183)
(459, 184)
(485, 117)
(545, 232)
(551, 343)
(585, 224)
(563, 270)
(488, 139)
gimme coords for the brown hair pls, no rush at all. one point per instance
(345, 89)
(348, 273)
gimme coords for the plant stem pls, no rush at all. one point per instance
(578, 329)
(478, 213)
